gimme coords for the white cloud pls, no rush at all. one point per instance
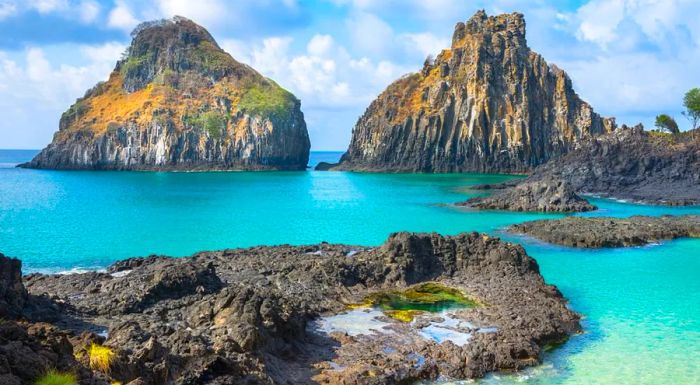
(35, 88)
(205, 12)
(121, 17)
(425, 42)
(89, 10)
(369, 34)
(47, 6)
(7, 9)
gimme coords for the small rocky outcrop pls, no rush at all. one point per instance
(252, 315)
(487, 104)
(633, 164)
(28, 348)
(542, 195)
(177, 101)
(610, 232)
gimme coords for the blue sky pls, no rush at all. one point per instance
(631, 59)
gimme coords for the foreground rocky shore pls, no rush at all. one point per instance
(610, 232)
(456, 307)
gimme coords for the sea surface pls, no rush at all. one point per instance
(641, 305)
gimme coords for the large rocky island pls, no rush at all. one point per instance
(420, 306)
(487, 104)
(177, 101)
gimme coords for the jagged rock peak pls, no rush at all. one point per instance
(486, 104)
(512, 25)
(176, 100)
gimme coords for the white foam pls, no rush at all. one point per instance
(354, 323)
(120, 274)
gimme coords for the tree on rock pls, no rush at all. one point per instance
(665, 122)
(691, 102)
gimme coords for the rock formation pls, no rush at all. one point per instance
(633, 164)
(542, 195)
(28, 349)
(487, 104)
(610, 232)
(253, 315)
(178, 101)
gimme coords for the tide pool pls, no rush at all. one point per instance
(641, 305)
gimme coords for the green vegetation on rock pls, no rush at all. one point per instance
(132, 64)
(212, 58)
(56, 378)
(691, 102)
(404, 305)
(665, 122)
(268, 99)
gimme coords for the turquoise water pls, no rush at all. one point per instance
(641, 305)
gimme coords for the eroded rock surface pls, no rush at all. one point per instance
(542, 195)
(29, 349)
(610, 232)
(633, 164)
(178, 101)
(487, 104)
(251, 315)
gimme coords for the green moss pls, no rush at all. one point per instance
(404, 305)
(56, 378)
(132, 64)
(267, 99)
(214, 122)
(211, 57)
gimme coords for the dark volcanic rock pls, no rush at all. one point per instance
(633, 164)
(12, 292)
(487, 104)
(249, 315)
(30, 349)
(610, 232)
(543, 195)
(177, 101)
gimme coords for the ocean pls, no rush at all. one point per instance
(641, 305)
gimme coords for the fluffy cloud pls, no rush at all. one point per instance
(88, 11)
(121, 17)
(34, 92)
(7, 9)
(207, 12)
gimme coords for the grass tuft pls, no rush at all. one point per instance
(100, 357)
(56, 378)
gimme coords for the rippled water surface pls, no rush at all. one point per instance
(641, 305)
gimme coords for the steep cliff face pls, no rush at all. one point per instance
(178, 101)
(487, 104)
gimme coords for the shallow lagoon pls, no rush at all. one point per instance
(642, 305)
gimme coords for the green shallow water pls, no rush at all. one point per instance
(642, 305)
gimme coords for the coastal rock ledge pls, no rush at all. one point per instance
(599, 232)
(486, 104)
(177, 101)
(286, 314)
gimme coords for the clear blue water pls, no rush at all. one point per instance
(641, 305)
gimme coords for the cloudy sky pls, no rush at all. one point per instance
(631, 59)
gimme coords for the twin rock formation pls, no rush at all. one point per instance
(177, 101)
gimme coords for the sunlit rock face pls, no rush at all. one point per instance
(176, 100)
(486, 104)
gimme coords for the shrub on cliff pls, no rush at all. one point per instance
(665, 122)
(691, 102)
